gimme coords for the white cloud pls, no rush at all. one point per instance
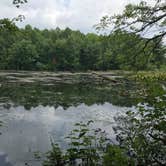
(76, 14)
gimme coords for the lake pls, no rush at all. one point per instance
(38, 106)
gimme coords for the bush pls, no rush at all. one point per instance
(140, 135)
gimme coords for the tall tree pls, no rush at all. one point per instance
(141, 19)
(22, 56)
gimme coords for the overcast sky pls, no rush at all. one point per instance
(76, 14)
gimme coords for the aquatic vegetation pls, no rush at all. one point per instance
(140, 139)
(33, 95)
(150, 76)
(85, 147)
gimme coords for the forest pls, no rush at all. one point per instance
(70, 98)
(68, 50)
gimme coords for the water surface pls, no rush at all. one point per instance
(40, 108)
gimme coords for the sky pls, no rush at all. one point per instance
(76, 14)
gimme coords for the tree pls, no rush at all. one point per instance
(142, 133)
(90, 51)
(22, 56)
(17, 3)
(140, 141)
(8, 31)
(141, 19)
(5, 22)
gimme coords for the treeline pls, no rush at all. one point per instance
(68, 50)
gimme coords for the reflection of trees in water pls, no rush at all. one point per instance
(32, 95)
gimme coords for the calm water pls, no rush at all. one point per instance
(33, 112)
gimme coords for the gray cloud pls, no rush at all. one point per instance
(76, 14)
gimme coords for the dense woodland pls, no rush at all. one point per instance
(141, 132)
(67, 50)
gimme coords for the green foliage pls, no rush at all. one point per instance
(140, 135)
(7, 25)
(135, 16)
(116, 156)
(22, 56)
(73, 51)
(54, 157)
(150, 76)
(86, 147)
(125, 48)
(140, 19)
